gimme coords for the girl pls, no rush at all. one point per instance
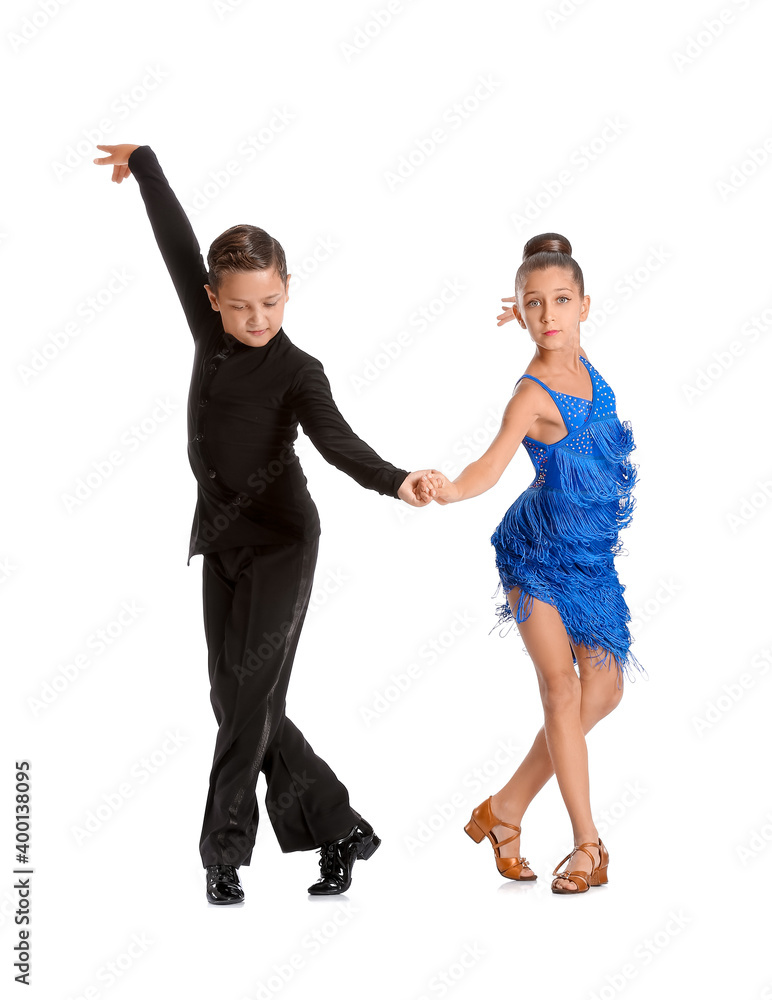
(555, 550)
(258, 530)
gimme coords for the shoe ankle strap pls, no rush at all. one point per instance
(503, 843)
(572, 853)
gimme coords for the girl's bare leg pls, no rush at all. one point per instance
(572, 706)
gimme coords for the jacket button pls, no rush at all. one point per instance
(212, 473)
(199, 436)
(212, 368)
(203, 402)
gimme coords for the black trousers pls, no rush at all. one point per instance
(255, 602)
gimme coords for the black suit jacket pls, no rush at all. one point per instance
(244, 406)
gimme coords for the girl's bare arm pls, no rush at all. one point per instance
(479, 476)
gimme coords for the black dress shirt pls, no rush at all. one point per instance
(244, 406)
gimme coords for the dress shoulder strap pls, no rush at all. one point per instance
(533, 377)
(558, 400)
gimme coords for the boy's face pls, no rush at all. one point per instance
(251, 304)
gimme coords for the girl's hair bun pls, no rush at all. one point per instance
(543, 251)
(546, 243)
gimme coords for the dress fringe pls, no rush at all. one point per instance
(558, 544)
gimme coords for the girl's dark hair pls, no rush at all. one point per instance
(244, 248)
(547, 250)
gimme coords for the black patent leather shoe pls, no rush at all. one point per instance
(223, 885)
(338, 857)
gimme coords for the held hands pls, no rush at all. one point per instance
(410, 490)
(438, 487)
(420, 488)
(119, 158)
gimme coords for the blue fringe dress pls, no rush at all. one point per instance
(558, 540)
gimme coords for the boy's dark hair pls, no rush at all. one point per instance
(244, 248)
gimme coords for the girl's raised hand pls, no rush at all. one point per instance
(508, 313)
(119, 158)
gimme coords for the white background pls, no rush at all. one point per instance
(679, 771)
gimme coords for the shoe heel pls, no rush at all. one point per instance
(600, 875)
(474, 830)
(368, 849)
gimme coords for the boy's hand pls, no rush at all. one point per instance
(119, 158)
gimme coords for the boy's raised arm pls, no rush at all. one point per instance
(171, 228)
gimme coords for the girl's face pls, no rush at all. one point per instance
(551, 308)
(251, 304)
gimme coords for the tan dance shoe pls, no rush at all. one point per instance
(583, 880)
(481, 824)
